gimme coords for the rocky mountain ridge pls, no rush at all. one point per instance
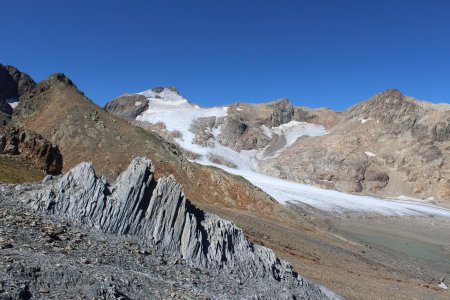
(389, 145)
(159, 215)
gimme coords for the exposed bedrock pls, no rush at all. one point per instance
(159, 214)
(127, 106)
(13, 84)
(31, 148)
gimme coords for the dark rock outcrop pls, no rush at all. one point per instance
(13, 85)
(159, 215)
(32, 148)
(128, 106)
(5, 113)
(281, 112)
(23, 81)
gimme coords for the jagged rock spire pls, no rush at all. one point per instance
(160, 215)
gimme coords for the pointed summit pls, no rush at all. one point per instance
(59, 78)
(166, 96)
(391, 93)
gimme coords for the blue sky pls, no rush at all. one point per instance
(316, 53)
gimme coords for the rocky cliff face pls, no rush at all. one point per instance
(31, 148)
(242, 130)
(158, 214)
(389, 145)
(13, 85)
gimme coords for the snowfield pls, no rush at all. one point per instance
(178, 114)
(337, 202)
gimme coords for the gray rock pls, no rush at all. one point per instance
(442, 130)
(160, 216)
(127, 106)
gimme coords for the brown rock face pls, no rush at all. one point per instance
(241, 130)
(389, 145)
(31, 148)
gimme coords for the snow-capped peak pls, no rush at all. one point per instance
(166, 96)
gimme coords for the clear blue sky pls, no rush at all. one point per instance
(316, 53)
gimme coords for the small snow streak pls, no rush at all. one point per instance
(368, 153)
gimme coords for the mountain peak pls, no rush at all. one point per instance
(166, 95)
(59, 77)
(161, 92)
(14, 83)
(160, 89)
(391, 93)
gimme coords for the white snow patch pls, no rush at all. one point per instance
(267, 131)
(291, 132)
(368, 153)
(13, 102)
(239, 109)
(408, 198)
(442, 286)
(364, 120)
(216, 131)
(295, 129)
(137, 103)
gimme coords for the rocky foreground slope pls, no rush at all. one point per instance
(157, 216)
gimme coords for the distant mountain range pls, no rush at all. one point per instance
(390, 145)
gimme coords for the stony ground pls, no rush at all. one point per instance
(42, 258)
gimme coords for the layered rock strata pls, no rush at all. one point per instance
(160, 216)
